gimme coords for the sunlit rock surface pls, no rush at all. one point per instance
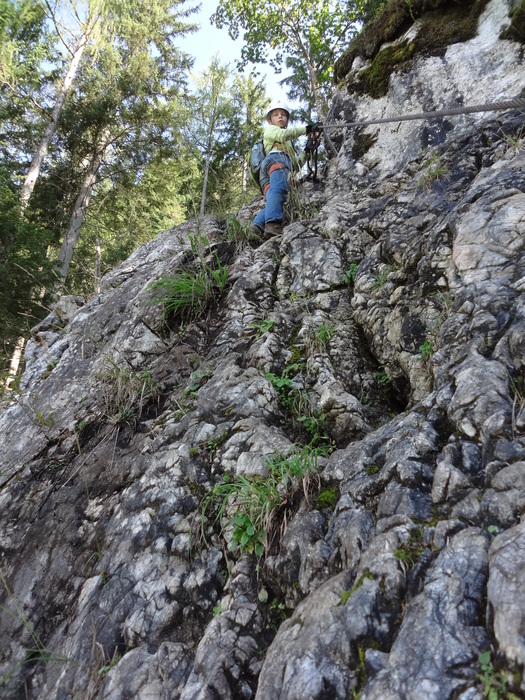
(405, 562)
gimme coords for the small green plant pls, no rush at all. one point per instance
(323, 335)
(516, 142)
(102, 672)
(283, 384)
(238, 232)
(217, 609)
(380, 280)
(495, 683)
(427, 349)
(517, 387)
(351, 273)
(382, 378)
(197, 378)
(126, 392)
(50, 367)
(299, 207)
(297, 403)
(433, 170)
(264, 326)
(372, 469)
(345, 595)
(254, 510)
(409, 552)
(44, 421)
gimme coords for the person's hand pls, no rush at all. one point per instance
(313, 127)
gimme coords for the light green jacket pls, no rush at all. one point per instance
(283, 137)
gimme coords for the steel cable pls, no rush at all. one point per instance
(488, 107)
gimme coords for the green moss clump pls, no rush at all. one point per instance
(516, 31)
(443, 22)
(373, 81)
(327, 498)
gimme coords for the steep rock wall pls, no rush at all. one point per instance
(405, 562)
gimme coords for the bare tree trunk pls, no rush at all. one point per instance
(206, 173)
(244, 176)
(98, 258)
(38, 158)
(79, 212)
(15, 361)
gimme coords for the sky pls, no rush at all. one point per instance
(209, 41)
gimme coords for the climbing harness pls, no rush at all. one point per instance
(488, 107)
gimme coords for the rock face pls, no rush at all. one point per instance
(387, 325)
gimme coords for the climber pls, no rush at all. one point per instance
(277, 167)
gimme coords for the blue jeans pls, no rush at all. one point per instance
(279, 186)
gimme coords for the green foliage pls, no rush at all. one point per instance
(266, 325)
(433, 170)
(238, 232)
(327, 498)
(409, 552)
(385, 20)
(297, 404)
(351, 273)
(427, 349)
(130, 84)
(380, 279)
(323, 335)
(495, 683)
(254, 510)
(516, 30)
(24, 270)
(189, 292)
(373, 80)
(516, 141)
(382, 378)
(372, 469)
(346, 595)
(307, 34)
(102, 672)
(224, 122)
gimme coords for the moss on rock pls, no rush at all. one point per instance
(374, 80)
(443, 22)
(516, 31)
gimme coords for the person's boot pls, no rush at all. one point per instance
(273, 228)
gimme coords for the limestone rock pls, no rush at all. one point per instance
(360, 382)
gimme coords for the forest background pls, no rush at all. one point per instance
(108, 138)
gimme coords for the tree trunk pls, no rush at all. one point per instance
(206, 172)
(77, 219)
(15, 361)
(244, 177)
(98, 259)
(38, 158)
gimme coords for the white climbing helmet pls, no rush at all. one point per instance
(277, 104)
